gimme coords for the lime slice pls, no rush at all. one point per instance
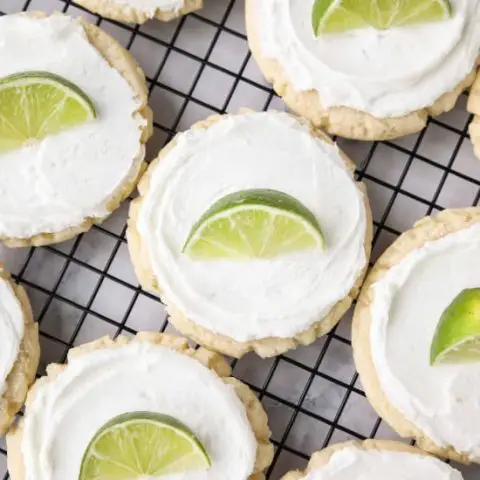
(253, 224)
(457, 337)
(333, 16)
(34, 105)
(141, 445)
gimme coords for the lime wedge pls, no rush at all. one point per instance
(34, 105)
(333, 16)
(142, 445)
(253, 224)
(457, 337)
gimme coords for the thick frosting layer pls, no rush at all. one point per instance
(258, 298)
(384, 73)
(11, 330)
(442, 401)
(95, 387)
(151, 6)
(56, 183)
(353, 463)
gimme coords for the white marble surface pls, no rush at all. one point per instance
(96, 293)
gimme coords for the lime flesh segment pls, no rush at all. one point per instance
(257, 223)
(141, 445)
(34, 105)
(334, 16)
(457, 337)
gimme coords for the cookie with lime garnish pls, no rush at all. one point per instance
(366, 69)
(457, 337)
(257, 223)
(333, 16)
(253, 230)
(143, 444)
(72, 127)
(140, 408)
(416, 334)
(35, 105)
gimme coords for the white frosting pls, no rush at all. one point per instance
(386, 73)
(352, 463)
(151, 6)
(442, 401)
(58, 182)
(11, 330)
(256, 298)
(68, 412)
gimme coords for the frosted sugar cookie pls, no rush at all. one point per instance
(19, 349)
(374, 460)
(140, 408)
(474, 107)
(415, 334)
(371, 82)
(139, 11)
(73, 127)
(253, 230)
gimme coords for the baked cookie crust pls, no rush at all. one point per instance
(129, 14)
(474, 107)
(23, 371)
(253, 408)
(321, 458)
(426, 230)
(122, 61)
(343, 121)
(267, 347)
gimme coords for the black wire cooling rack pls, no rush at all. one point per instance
(85, 288)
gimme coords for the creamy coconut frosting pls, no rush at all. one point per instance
(257, 298)
(11, 330)
(56, 183)
(408, 301)
(151, 6)
(353, 463)
(67, 412)
(385, 73)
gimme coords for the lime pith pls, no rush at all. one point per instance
(34, 105)
(457, 337)
(142, 444)
(334, 16)
(256, 223)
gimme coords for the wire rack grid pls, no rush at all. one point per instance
(86, 288)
